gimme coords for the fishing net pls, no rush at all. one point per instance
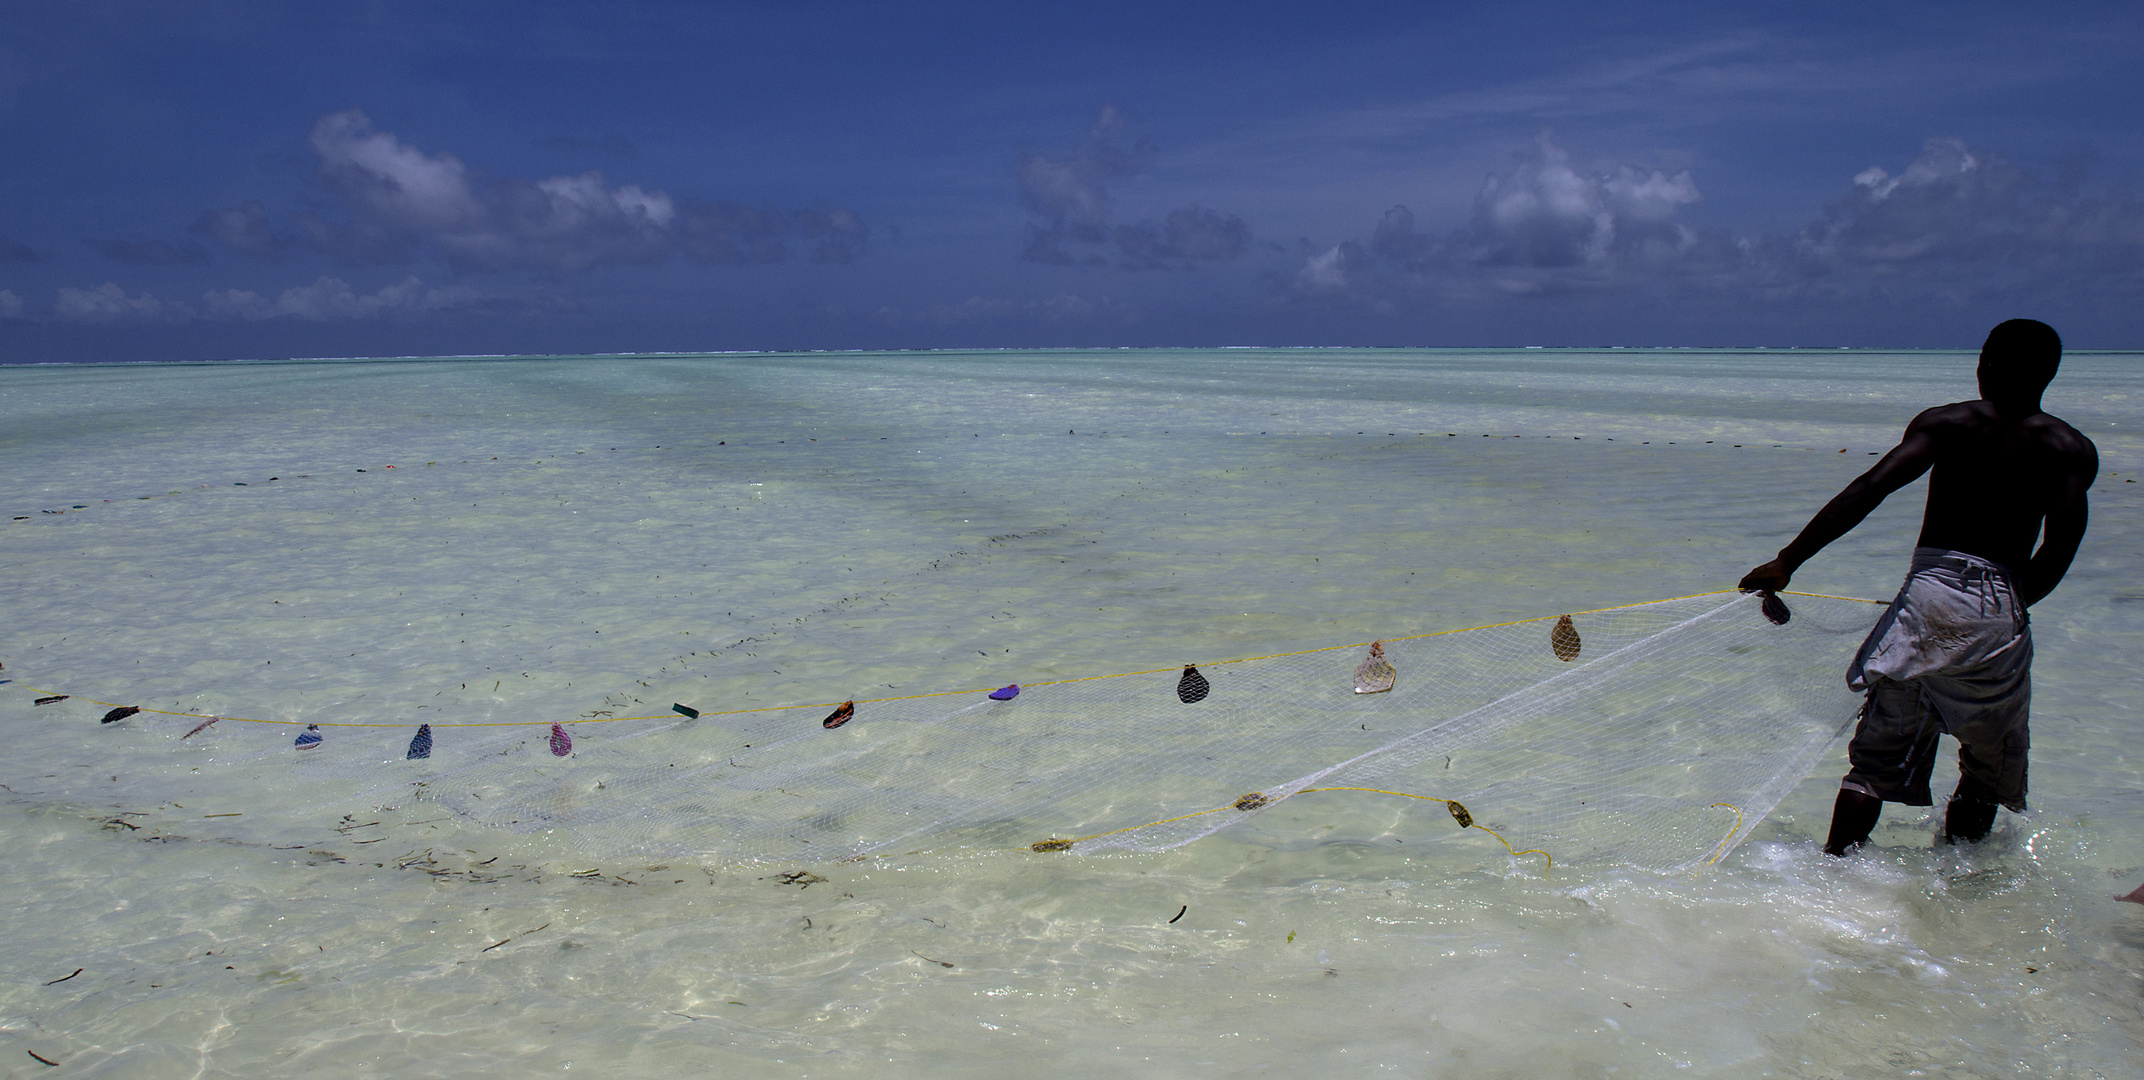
(1652, 736)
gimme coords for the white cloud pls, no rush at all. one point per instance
(1548, 214)
(108, 303)
(1326, 271)
(1069, 195)
(398, 194)
(402, 200)
(1956, 224)
(1548, 226)
(383, 175)
(10, 305)
(332, 298)
(1955, 210)
(1941, 160)
(1069, 188)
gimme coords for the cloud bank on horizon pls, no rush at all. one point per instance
(1561, 177)
(1955, 221)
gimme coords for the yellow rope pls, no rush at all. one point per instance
(1259, 801)
(942, 693)
(1055, 844)
(1828, 596)
(1720, 848)
(1431, 634)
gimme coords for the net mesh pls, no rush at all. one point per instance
(1653, 736)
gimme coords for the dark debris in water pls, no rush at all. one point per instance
(522, 934)
(1193, 687)
(1775, 609)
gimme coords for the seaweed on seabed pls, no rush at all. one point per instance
(1376, 674)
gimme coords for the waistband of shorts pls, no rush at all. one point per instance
(1959, 562)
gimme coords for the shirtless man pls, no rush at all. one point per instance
(1953, 653)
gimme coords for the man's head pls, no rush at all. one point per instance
(2017, 363)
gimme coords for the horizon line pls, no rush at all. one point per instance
(668, 353)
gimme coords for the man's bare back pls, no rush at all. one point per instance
(2002, 472)
(2004, 475)
(1997, 480)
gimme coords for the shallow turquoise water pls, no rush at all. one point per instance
(771, 525)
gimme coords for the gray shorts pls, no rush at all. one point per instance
(1952, 655)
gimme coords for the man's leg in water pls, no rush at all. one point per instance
(1853, 817)
(1991, 773)
(1893, 751)
(1970, 815)
(1987, 712)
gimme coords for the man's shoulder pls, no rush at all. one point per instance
(1956, 415)
(1972, 421)
(1980, 415)
(2057, 435)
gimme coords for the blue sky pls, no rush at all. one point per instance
(235, 179)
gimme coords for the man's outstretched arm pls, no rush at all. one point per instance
(1914, 455)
